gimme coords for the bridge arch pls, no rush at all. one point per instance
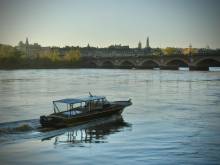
(177, 62)
(127, 64)
(149, 64)
(90, 64)
(107, 64)
(208, 62)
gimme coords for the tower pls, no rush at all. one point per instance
(147, 43)
(139, 45)
(27, 47)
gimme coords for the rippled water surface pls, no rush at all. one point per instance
(174, 119)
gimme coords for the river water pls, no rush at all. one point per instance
(174, 119)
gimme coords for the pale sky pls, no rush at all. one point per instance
(101, 23)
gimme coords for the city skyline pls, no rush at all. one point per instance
(171, 23)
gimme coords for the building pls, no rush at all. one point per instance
(34, 50)
(31, 50)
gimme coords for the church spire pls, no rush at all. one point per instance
(27, 47)
(27, 43)
(147, 43)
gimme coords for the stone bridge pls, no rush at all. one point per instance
(194, 62)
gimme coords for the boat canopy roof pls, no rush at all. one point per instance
(79, 100)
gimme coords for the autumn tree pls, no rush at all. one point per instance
(9, 53)
(72, 55)
(51, 55)
(172, 51)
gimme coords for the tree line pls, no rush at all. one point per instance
(11, 57)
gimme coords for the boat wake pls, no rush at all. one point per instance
(12, 131)
(19, 126)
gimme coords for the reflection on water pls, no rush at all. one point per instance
(94, 132)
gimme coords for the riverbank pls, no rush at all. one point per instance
(58, 65)
(37, 64)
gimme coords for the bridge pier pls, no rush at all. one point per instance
(199, 68)
(170, 67)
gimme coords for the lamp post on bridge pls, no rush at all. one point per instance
(191, 66)
(190, 53)
(190, 49)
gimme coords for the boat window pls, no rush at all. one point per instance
(96, 104)
(73, 106)
(60, 107)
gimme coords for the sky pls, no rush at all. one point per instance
(175, 23)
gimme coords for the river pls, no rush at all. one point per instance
(174, 119)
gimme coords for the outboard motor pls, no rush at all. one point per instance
(43, 120)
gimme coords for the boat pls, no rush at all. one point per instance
(72, 111)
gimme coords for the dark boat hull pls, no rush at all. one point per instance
(50, 121)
